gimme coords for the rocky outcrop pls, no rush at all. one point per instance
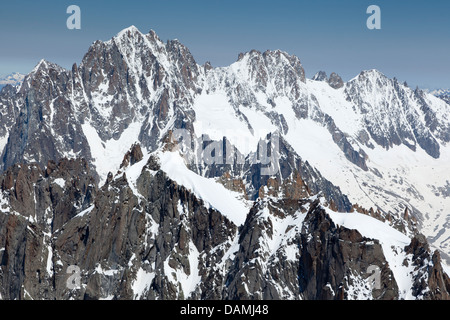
(409, 130)
(335, 81)
(430, 281)
(320, 76)
(131, 157)
(316, 260)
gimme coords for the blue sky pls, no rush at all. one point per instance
(413, 44)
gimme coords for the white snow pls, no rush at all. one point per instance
(211, 192)
(216, 117)
(446, 268)
(359, 289)
(3, 142)
(333, 102)
(60, 182)
(85, 212)
(109, 155)
(109, 273)
(131, 29)
(49, 260)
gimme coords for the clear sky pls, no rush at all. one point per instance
(412, 45)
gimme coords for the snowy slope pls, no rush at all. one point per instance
(392, 241)
(229, 203)
(214, 195)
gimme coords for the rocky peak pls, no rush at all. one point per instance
(132, 156)
(130, 31)
(44, 65)
(371, 75)
(335, 81)
(153, 35)
(272, 64)
(330, 264)
(320, 76)
(394, 114)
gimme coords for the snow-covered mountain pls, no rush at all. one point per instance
(444, 94)
(14, 79)
(275, 160)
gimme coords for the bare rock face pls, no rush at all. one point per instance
(320, 76)
(132, 156)
(39, 202)
(327, 262)
(334, 259)
(335, 81)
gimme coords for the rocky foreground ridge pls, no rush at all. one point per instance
(151, 238)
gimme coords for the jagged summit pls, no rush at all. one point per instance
(320, 76)
(44, 64)
(131, 32)
(127, 31)
(371, 74)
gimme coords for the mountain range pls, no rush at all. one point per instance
(160, 178)
(14, 79)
